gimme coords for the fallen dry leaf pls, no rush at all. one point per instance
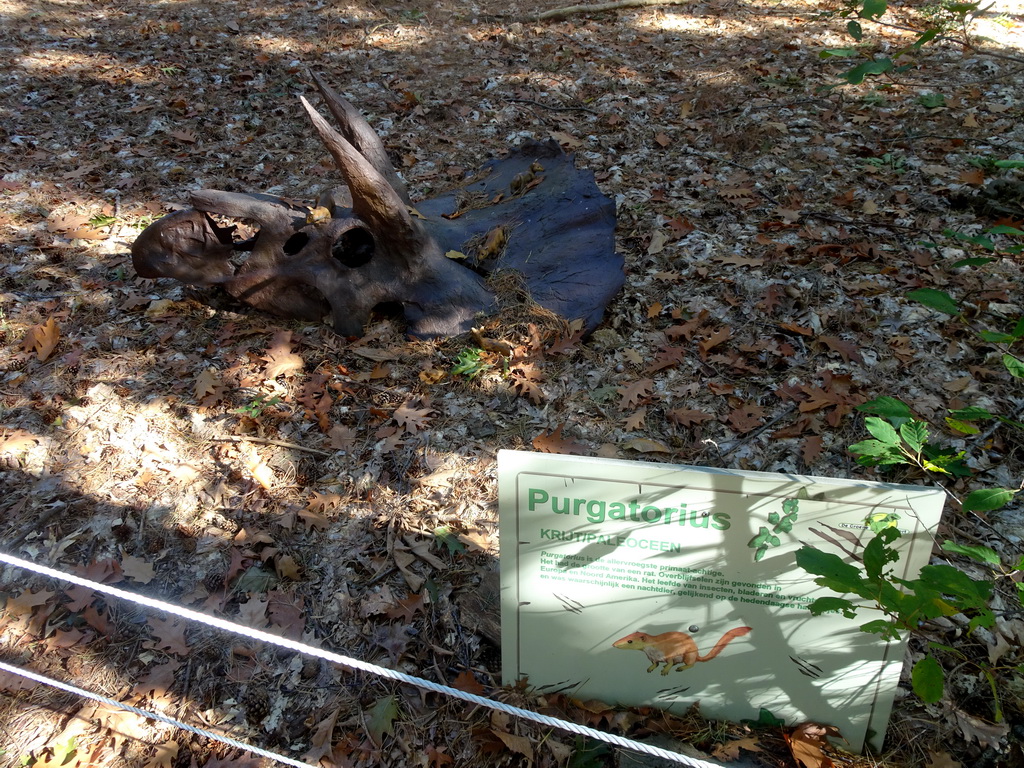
(280, 359)
(320, 744)
(688, 417)
(553, 442)
(636, 393)
(164, 756)
(137, 569)
(646, 445)
(518, 744)
(18, 441)
(730, 750)
(411, 419)
(42, 339)
(806, 742)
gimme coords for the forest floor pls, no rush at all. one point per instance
(165, 439)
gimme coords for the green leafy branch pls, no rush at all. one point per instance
(938, 590)
(471, 362)
(1005, 340)
(946, 17)
(900, 438)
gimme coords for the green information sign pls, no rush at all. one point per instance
(654, 584)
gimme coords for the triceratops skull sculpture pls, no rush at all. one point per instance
(532, 212)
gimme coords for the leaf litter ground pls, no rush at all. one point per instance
(342, 490)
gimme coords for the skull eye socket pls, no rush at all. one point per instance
(296, 243)
(354, 248)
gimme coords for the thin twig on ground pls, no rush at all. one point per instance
(269, 441)
(569, 10)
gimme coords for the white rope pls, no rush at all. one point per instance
(351, 663)
(151, 715)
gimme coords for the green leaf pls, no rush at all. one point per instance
(759, 553)
(840, 53)
(382, 718)
(1009, 163)
(1018, 329)
(887, 407)
(934, 299)
(963, 427)
(873, 9)
(987, 499)
(829, 604)
(914, 434)
(946, 460)
(1003, 229)
(881, 627)
(450, 540)
(926, 37)
(773, 518)
(875, 449)
(973, 551)
(854, 30)
(927, 679)
(972, 413)
(881, 521)
(63, 752)
(974, 261)
(1014, 366)
(931, 100)
(877, 554)
(882, 431)
(997, 337)
(947, 580)
(791, 507)
(856, 75)
(837, 575)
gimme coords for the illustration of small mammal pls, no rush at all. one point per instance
(670, 648)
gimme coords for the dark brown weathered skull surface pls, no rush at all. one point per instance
(366, 246)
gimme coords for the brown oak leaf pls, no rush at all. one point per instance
(716, 338)
(280, 359)
(157, 681)
(745, 418)
(412, 419)
(209, 383)
(320, 743)
(667, 357)
(730, 750)
(465, 681)
(635, 420)
(813, 445)
(42, 339)
(636, 393)
(164, 756)
(553, 442)
(846, 349)
(168, 635)
(287, 611)
(687, 417)
(137, 569)
(772, 297)
(805, 742)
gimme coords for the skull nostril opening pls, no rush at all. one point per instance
(354, 248)
(296, 243)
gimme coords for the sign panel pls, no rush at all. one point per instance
(654, 584)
